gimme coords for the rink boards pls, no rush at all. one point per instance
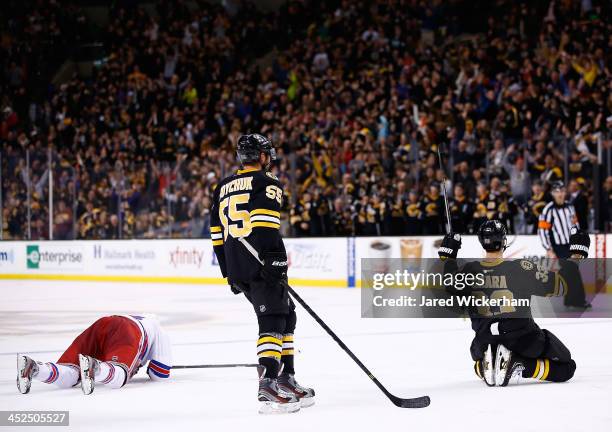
(318, 262)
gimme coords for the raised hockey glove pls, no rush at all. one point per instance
(579, 243)
(451, 243)
(275, 266)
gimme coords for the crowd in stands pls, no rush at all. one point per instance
(358, 96)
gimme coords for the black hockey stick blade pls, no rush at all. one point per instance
(417, 402)
(211, 366)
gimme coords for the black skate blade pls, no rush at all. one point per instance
(419, 402)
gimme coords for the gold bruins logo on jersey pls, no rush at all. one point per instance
(527, 265)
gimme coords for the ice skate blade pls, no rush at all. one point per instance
(23, 384)
(276, 408)
(306, 402)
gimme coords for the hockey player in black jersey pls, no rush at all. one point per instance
(508, 342)
(245, 221)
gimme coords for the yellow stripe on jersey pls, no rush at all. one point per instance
(247, 170)
(218, 242)
(288, 338)
(546, 369)
(556, 283)
(215, 229)
(265, 225)
(562, 287)
(265, 212)
(286, 352)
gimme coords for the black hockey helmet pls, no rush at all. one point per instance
(557, 185)
(251, 146)
(492, 235)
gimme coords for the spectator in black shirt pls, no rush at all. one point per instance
(461, 210)
(580, 203)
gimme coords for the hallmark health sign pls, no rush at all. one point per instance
(54, 257)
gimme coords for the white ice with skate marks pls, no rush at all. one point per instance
(207, 324)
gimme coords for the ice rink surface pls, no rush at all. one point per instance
(207, 324)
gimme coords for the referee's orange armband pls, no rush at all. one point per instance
(544, 225)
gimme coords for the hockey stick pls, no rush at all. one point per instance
(418, 402)
(449, 227)
(211, 366)
(511, 242)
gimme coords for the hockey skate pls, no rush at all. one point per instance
(288, 384)
(89, 366)
(26, 369)
(274, 400)
(507, 365)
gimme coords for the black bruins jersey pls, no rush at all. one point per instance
(534, 208)
(414, 218)
(514, 280)
(461, 212)
(432, 208)
(245, 205)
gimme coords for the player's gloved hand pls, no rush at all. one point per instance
(236, 289)
(451, 243)
(579, 243)
(275, 266)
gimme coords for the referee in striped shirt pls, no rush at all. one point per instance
(556, 221)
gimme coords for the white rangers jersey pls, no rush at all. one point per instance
(155, 347)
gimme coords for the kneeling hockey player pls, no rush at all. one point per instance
(109, 352)
(508, 342)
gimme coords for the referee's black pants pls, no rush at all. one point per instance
(575, 287)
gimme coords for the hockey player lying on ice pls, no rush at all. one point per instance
(507, 347)
(109, 352)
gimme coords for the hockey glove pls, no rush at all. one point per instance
(579, 243)
(451, 243)
(275, 267)
(234, 286)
